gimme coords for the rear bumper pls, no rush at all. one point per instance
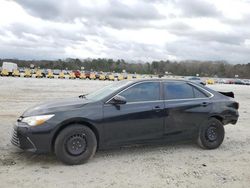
(232, 118)
(27, 139)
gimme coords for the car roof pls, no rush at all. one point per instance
(161, 79)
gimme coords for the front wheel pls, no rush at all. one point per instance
(75, 144)
(211, 134)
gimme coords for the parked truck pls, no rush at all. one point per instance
(8, 68)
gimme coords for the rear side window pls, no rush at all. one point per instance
(181, 90)
(147, 91)
(198, 93)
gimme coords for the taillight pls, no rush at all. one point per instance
(235, 105)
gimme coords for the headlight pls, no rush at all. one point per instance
(37, 120)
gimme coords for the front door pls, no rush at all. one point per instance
(140, 119)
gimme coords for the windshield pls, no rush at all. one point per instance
(106, 91)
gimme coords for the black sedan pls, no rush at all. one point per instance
(126, 113)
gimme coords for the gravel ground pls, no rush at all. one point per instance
(172, 165)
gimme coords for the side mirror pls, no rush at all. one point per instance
(118, 99)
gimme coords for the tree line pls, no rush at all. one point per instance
(182, 68)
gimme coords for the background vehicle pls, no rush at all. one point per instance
(102, 76)
(77, 73)
(129, 77)
(82, 75)
(125, 113)
(92, 76)
(21, 70)
(87, 74)
(44, 72)
(196, 80)
(16, 73)
(116, 76)
(56, 72)
(61, 75)
(72, 75)
(120, 77)
(38, 74)
(50, 74)
(135, 76)
(8, 68)
(230, 81)
(239, 82)
(110, 76)
(4, 72)
(246, 82)
(27, 73)
(97, 75)
(210, 81)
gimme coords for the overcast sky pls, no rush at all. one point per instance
(130, 29)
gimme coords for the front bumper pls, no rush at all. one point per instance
(27, 138)
(22, 140)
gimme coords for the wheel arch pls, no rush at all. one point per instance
(218, 117)
(67, 123)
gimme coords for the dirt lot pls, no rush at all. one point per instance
(172, 165)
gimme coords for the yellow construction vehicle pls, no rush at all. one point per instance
(82, 75)
(210, 81)
(136, 76)
(120, 77)
(61, 75)
(129, 77)
(50, 74)
(111, 77)
(72, 75)
(16, 73)
(4, 72)
(92, 76)
(102, 76)
(27, 73)
(39, 74)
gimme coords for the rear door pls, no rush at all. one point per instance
(186, 106)
(140, 119)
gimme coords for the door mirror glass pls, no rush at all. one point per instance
(118, 99)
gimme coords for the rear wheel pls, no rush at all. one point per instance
(75, 144)
(211, 134)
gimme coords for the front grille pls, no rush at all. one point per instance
(15, 140)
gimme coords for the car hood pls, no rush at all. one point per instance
(56, 106)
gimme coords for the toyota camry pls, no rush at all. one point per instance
(126, 113)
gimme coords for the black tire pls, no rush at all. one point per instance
(75, 144)
(211, 134)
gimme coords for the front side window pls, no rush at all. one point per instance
(181, 90)
(147, 91)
